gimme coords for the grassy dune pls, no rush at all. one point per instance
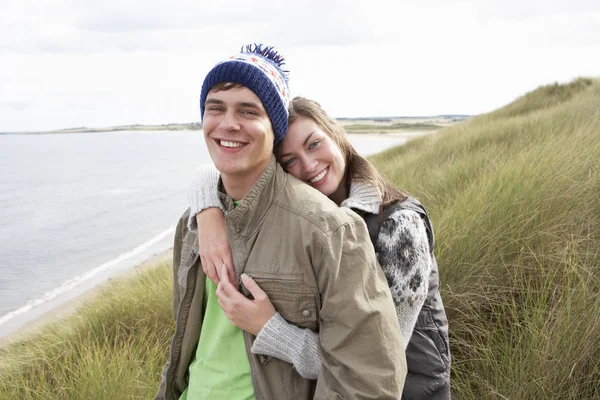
(514, 197)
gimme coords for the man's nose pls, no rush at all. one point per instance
(229, 122)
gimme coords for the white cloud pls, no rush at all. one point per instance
(160, 25)
(82, 62)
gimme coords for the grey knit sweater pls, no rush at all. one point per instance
(403, 252)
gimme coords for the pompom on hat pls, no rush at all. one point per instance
(259, 68)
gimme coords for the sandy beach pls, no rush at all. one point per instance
(70, 306)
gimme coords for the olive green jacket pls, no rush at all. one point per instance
(316, 263)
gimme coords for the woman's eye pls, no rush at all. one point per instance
(313, 145)
(289, 162)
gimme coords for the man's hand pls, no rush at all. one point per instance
(249, 315)
(213, 244)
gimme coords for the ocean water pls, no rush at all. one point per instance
(76, 209)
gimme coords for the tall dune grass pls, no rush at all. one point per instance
(515, 200)
(114, 347)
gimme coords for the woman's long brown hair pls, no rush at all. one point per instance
(358, 169)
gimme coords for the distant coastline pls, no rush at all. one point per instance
(194, 126)
(352, 125)
(387, 125)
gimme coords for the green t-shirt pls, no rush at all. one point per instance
(221, 369)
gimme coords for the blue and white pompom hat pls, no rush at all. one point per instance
(259, 68)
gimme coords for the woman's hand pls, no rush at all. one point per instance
(249, 315)
(213, 244)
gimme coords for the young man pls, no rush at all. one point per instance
(313, 259)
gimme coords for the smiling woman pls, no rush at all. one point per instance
(311, 155)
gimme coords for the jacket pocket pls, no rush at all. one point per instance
(295, 302)
(427, 352)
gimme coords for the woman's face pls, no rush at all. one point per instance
(310, 155)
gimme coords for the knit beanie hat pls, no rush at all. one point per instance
(258, 68)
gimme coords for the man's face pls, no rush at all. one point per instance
(238, 132)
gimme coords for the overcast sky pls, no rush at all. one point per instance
(70, 63)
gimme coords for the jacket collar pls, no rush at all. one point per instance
(363, 197)
(247, 216)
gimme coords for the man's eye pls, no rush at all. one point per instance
(248, 112)
(215, 109)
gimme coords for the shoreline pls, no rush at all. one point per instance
(405, 136)
(69, 307)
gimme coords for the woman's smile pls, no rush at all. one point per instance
(311, 155)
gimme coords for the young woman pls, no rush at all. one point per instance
(317, 151)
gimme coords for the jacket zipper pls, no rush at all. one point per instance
(244, 334)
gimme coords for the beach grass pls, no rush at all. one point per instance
(113, 347)
(514, 199)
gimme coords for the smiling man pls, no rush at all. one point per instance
(240, 155)
(314, 260)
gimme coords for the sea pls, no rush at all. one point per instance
(79, 208)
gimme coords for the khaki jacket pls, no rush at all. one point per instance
(316, 263)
